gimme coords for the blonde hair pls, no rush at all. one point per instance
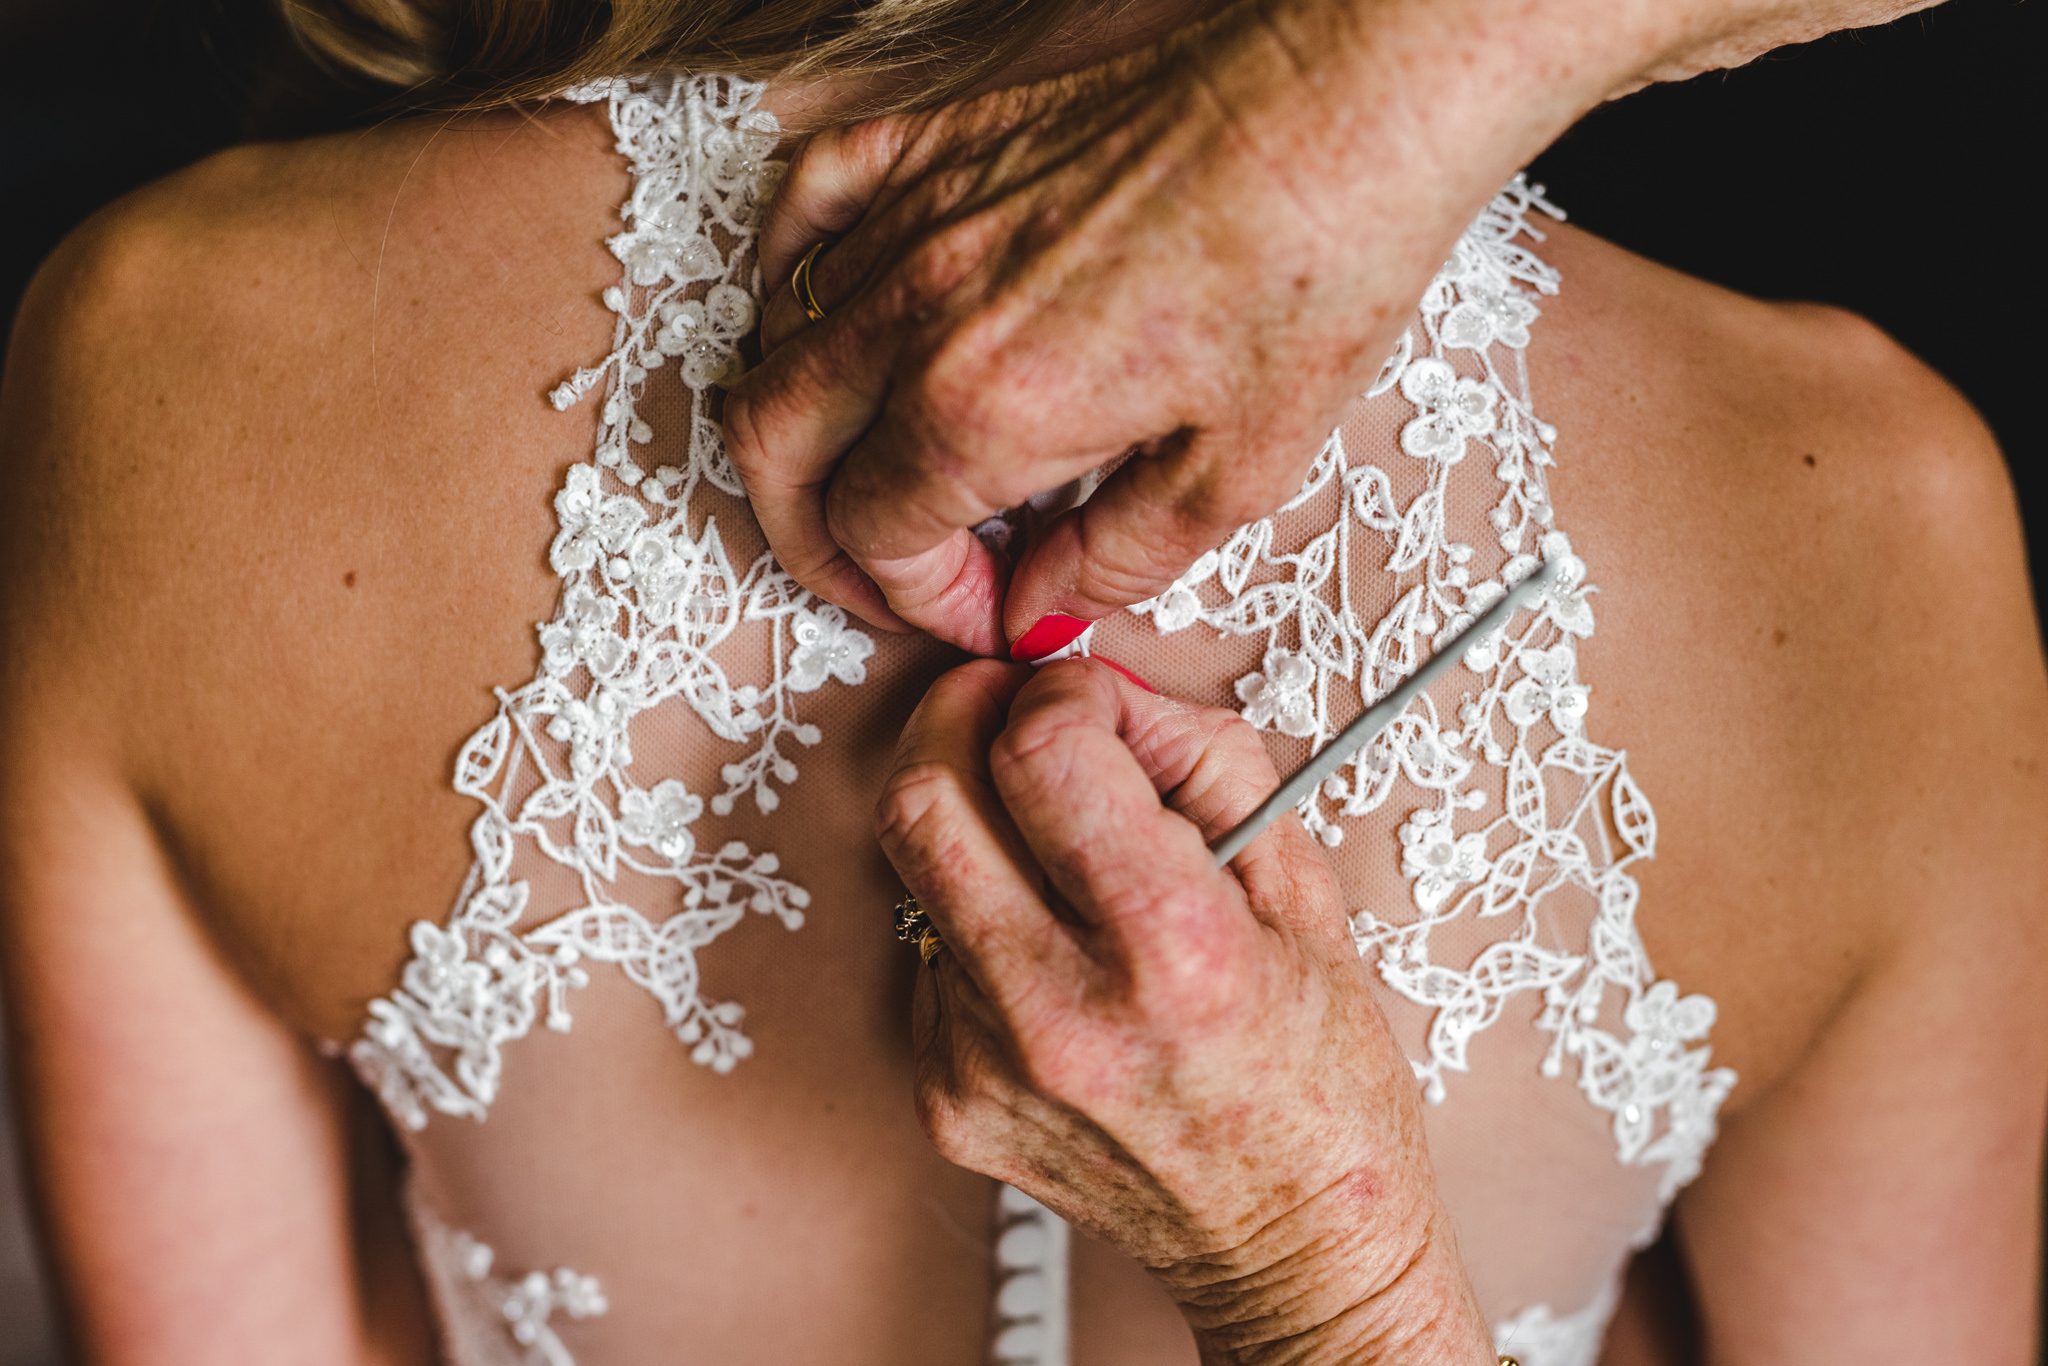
(481, 53)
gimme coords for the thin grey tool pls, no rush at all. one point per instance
(1376, 718)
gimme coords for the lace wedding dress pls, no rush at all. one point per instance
(636, 803)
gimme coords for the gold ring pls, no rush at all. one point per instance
(913, 926)
(800, 284)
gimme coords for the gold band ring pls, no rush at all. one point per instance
(913, 926)
(800, 284)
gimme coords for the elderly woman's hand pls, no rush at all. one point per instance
(1200, 251)
(1184, 1061)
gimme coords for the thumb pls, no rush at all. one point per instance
(1151, 519)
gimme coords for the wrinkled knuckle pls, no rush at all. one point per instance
(1234, 739)
(1316, 881)
(806, 162)
(1034, 757)
(1128, 563)
(886, 143)
(829, 152)
(959, 381)
(949, 391)
(916, 805)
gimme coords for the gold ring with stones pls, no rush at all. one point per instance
(914, 926)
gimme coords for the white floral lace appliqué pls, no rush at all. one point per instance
(649, 594)
(1518, 803)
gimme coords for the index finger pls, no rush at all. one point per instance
(943, 828)
(786, 421)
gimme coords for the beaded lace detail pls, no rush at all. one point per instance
(648, 596)
(1517, 804)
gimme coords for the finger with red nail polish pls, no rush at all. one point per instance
(1048, 635)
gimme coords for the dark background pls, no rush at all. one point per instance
(1893, 171)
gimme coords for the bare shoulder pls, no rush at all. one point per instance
(225, 366)
(1816, 635)
(270, 425)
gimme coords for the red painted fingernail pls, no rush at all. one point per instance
(1055, 631)
(1125, 672)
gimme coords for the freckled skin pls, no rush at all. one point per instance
(1241, 214)
(1224, 1102)
(168, 827)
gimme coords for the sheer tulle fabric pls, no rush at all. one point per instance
(673, 947)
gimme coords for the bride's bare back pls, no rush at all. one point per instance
(282, 491)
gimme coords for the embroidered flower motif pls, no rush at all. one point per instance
(1484, 654)
(441, 975)
(591, 728)
(1180, 606)
(660, 819)
(826, 647)
(1282, 696)
(449, 999)
(1566, 595)
(1487, 312)
(1662, 1020)
(658, 573)
(1454, 410)
(1548, 691)
(1437, 860)
(706, 333)
(1661, 1074)
(1177, 609)
(583, 634)
(658, 248)
(593, 523)
(534, 1298)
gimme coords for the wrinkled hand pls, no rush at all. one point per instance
(1182, 1060)
(1199, 251)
